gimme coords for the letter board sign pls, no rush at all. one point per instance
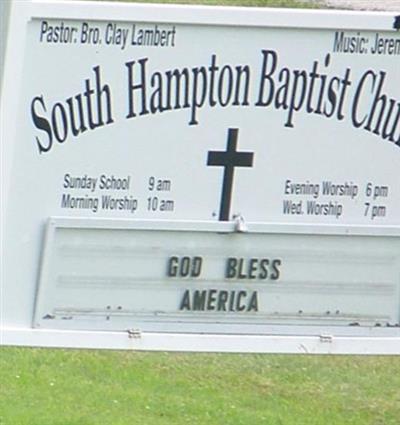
(203, 178)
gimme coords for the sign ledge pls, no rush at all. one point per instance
(323, 344)
(229, 227)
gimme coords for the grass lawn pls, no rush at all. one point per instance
(60, 387)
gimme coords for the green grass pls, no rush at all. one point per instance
(248, 3)
(60, 387)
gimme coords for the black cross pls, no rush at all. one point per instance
(229, 159)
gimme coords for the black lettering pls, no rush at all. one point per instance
(296, 100)
(387, 131)
(141, 86)
(241, 274)
(313, 76)
(198, 96)
(354, 112)
(60, 128)
(222, 299)
(225, 91)
(211, 299)
(181, 84)
(232, 301)
(330, 107)
(196, 266)
(253, 304)
(230, 270)
(156, 97)
(240, 306)
(264, 268)
(253, 267)
(185, 303)
(345, 84)
(281, 98)
(213, 68)
(245, 70)
(89, 92)
(42, 124)
(184, 268)
(76, 130)
(103, 93)
(322, 87)
(172, 269)
(266, 78)
(275, 275)
(379, 101)
(199, 300)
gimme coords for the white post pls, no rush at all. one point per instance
(5, 7)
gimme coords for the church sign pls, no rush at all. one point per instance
(201, 178)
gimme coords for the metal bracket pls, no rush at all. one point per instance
(134, 333)
(326, 339)
(240, 224)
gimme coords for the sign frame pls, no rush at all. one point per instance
(377, 341)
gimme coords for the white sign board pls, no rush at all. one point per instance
(202, 178)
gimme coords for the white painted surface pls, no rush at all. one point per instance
(4, 17)
(323, 344)
(208, 278)
(159, 159)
